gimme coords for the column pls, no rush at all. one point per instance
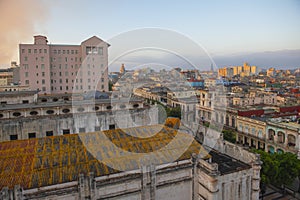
(256, 166)
(256, 144)
(92, 185)
(148, 182)
(81, 187)
(18, 192)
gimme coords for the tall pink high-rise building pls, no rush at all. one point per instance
(56, 68)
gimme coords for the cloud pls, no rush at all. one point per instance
(19, 20)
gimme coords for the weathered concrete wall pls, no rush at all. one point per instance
(173, 181)
(88, 121)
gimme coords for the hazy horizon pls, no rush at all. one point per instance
(230, 31)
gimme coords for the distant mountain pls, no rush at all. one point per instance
(283, 59)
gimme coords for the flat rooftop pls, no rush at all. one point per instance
(67, 103)
(18, 93)
(227, 164)
(290, 124)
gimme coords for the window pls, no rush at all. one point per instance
(45, 50)
(43, 81)
(35, 50)
(49, 133)
(26, 66)
(97, 128)
(27, 82)
(67, 80)
(13, 137)
(112, 126)
(26, 74)
(81, 130)
(49, 112)
(72, 51)
(66, 131)
(240, 127)
(25, 58)
(31, 135)
(66, 59)
(37, 66)
(68, 51)
(66, 66)
(58, 51)
(40, 50)
(60, 80)
(29, 50)
(23, 50)
(43, 73)
(100, 51)
(64, 51)
(25, 101)
(66, 73)
(253, 130)
(88, 50)
(259, 133)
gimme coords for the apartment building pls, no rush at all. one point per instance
(245, 70)
(271, 135)
(56, 68)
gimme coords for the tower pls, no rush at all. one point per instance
(122, 69)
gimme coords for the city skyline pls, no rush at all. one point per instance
(224, 29)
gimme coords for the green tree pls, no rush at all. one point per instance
(229, 136)
(110, 85)
(287, 167)
(279, 169)
(174, 112)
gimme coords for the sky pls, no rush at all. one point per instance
(221, 28)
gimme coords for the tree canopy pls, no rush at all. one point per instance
(279, 169)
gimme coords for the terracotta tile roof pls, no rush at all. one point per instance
(59, 159)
